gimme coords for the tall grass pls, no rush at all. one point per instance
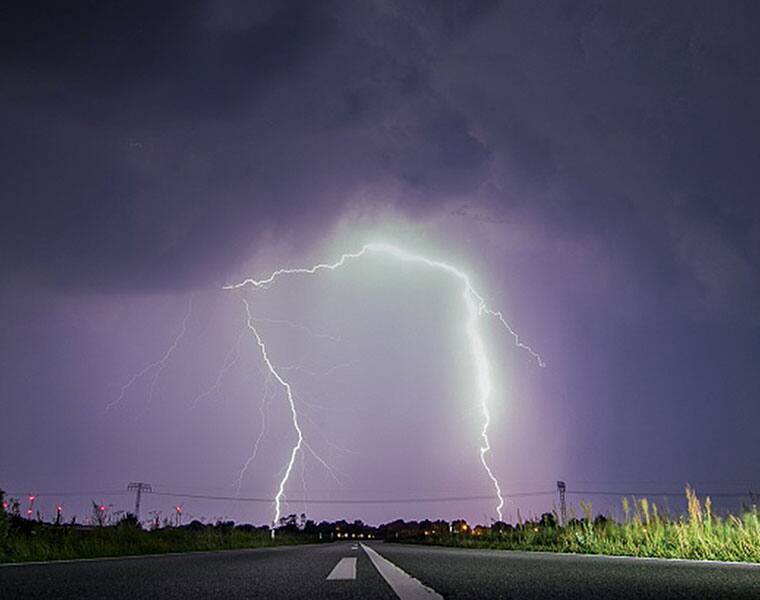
(46, 542)
(24, 540)
(645, 532)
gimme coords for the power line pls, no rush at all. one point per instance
(418, 500)
(72, 494)
(358, 501)
(665, 494)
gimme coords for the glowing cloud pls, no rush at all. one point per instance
(476, 307)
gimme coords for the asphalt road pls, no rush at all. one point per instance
(346, 570)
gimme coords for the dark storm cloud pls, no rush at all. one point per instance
(632, 123)
(149, 146)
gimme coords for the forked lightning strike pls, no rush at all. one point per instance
(476, 306)
(262, 430)
(158, 365)
(293, 411)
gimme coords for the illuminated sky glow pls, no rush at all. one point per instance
(476, 308)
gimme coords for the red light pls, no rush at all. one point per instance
(29, 511)
(102, 508)
(32, 498)
(178, 509)
(59, 508)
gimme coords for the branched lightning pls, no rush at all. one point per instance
(298, 326)
(230, 360)
(294, 413)
(262, 430)
(314, 373)
(476, 306)
(323, 462)
(158, 365)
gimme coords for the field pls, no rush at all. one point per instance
(23, 540)
(645, 532)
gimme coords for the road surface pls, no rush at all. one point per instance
(376, 570)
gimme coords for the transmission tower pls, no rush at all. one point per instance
(139, 487)
(561, 488)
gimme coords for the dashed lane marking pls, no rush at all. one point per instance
(345, 569)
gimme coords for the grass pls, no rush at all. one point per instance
(23, 540)
(645, 532)
(65, 542)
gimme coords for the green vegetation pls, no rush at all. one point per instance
(645, 532)
(27, 540)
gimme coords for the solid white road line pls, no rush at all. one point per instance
(405, 586)
(345, 569)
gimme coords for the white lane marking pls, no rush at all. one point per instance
(354, 547)
(68, 561)
(405, 586)
(345, 569)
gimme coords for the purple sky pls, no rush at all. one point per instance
(592, 166)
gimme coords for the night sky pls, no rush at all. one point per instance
(594, 166)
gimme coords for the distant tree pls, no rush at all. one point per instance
(459, 526)
(310, 527)
(500, 527)
(196, 525)
(288, 524)
(441, 527)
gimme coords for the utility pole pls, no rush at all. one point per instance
(561, 488)
(139, 487)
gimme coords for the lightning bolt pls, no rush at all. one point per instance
(294, 414)
(476, 306)
(158, 365)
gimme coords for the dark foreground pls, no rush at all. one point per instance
(302, 572)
